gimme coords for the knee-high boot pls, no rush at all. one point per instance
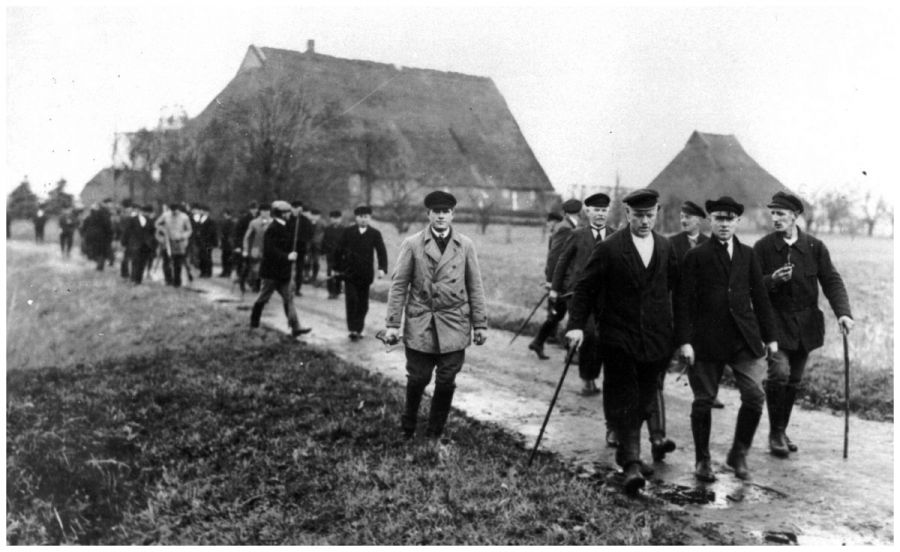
(701, 424)
(790, 395)
(411, 412)
(440, 409)
(656, 426)
(775, 403)
(256, 314)
(747, 421)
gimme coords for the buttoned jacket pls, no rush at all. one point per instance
(721, 300)
(682, 244)
(442, 294)
(557, 243)
(572, 260)
(631, 302)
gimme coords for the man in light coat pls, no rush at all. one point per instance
(173, 230)
(438, 281)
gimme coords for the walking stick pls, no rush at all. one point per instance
(846, 394)
(552, 403)
(527, 320)
(296, 237)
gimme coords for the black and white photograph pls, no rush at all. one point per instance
(450, 273)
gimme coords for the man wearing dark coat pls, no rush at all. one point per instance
(794, 265)
(139, 241)
(40, 220)
(97, 230)
(68, 223)
(355, 250)
(205, 240)
(556, 310)
(723, 316)
(626, 284)
(128, 211)
(302, 237)
(330, 240)
(226, 242)
(275, 268)
(692, 216)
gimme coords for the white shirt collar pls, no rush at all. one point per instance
(793, 239)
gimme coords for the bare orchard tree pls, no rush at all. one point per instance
(484, 207)
(835, 207)
(271, 132)
(872, 210)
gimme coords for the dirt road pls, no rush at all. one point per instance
(815, 497)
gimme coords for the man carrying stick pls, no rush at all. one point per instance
(275, 268)
(794, 264)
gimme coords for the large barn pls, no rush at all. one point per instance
(455, 131)
(710, 166)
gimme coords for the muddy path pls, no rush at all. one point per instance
(813, 498)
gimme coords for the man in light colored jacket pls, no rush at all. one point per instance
(173, 231)
(438, 281)
(253, 245)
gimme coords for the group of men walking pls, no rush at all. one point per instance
(637, 299)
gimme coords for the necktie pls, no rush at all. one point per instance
(598, 233)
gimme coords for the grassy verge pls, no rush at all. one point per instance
(204, 433)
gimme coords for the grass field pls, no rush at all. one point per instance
(135, 416)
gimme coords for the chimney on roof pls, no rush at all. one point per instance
(310, 46)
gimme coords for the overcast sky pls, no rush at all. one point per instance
(809, 91)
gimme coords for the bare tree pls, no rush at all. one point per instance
(484, 207)
(835, 207)
(873, 210)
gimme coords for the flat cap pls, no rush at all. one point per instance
(642, 199)
(691, 208)
(782, 200)
(279, 205)
(363, 210)
(334, 214)
(147, 208)
(726, 204)
(554, 216)
(440, 199)
(571, 206)
(597, 200)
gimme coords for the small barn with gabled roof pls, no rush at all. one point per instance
(710, 166)
(456, 130)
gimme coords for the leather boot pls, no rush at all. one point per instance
(256, 314)
(440, 409)
(775, 406)
(634, 481)
(701, 424)
(411, 412)
(790, 395)
(656, 426)
(747, 421)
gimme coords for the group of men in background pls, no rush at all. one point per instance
(637, 301)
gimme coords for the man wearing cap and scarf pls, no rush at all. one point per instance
(275, 268)
(556, 310)
(329, 246)
(794, 265)
(354, 253)
(723, 316)
(626, 285)
(438, 294)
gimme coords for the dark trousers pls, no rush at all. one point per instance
(227, 263)
(589, 359)
(420, 366)
(356, 296)
(704, 377)
(177, 265)
(555, 313)
(787, 368)
(204, 260)
(333, 283)
(126, 264)
(140, 260)
(312, 262)
(267, 288)
(630, 392)
(65, 243)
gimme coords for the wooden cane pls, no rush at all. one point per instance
(552, 403)
(846, 394)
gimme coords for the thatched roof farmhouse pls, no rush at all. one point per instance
(713, 165)
(455, 131)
